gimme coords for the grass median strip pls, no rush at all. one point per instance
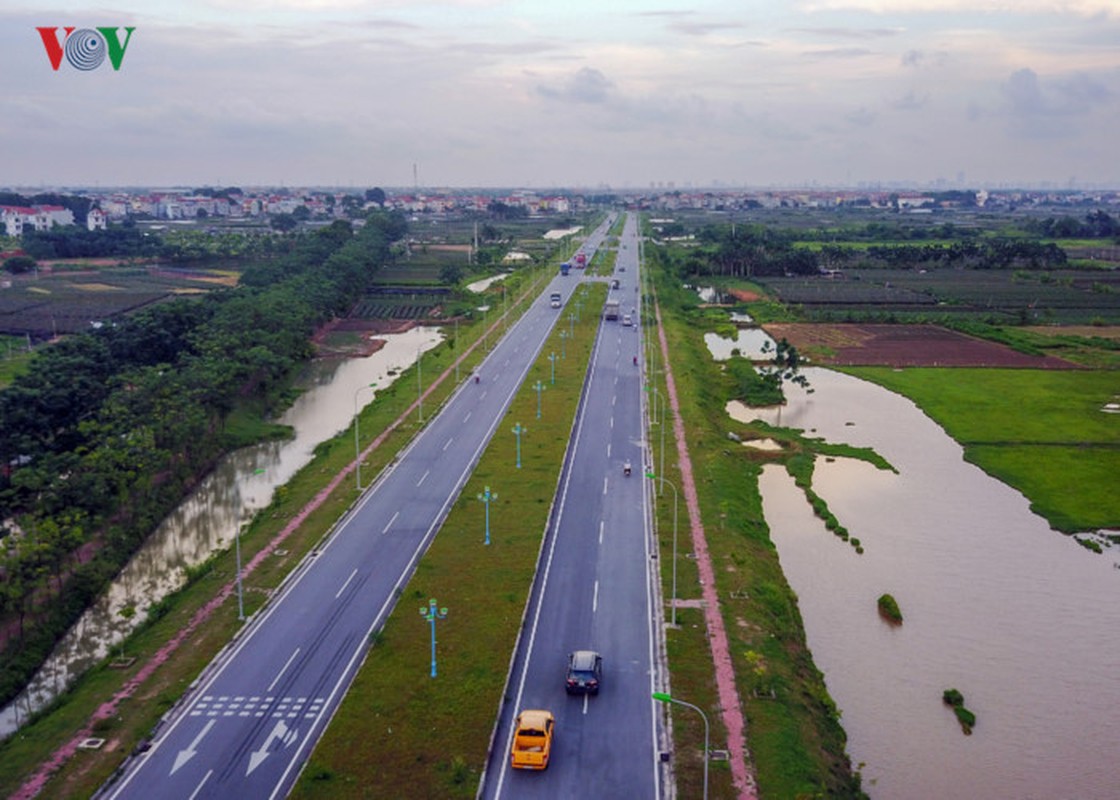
(400, 732)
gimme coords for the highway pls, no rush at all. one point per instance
(247, 726)
(596, 589)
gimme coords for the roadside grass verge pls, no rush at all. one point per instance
(793, 730)
(81, 775)
(400, 732)
(1040, 431)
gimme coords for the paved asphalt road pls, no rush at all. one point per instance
(247, 727)
(596, 590)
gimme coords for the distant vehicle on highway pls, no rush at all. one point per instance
(532, 740)
(610, 309)
(565, 267)
(554, 300)
(627, 320)
(585, 672)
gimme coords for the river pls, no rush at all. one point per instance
(1021, 619)
(205, 523)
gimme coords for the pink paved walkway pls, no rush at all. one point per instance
(730, 710)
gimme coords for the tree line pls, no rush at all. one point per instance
(108, 430)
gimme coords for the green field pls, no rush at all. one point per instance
(1042, 432)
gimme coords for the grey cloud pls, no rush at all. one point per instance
(588, 85)
(838, 52)
(908, 102)
(861, 116)
(1027, 96)
(850, 33)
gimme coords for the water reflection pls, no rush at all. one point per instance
(1019, 618)
(206, 522)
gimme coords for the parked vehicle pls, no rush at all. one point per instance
(585, 667)
(532, 739)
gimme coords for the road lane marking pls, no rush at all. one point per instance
(287, 664)
(595, 598)
(468, 416)
(280, 731)
(389, 524)
(585, 702)
(604, 485)
(201, 783)
(602, 525)
(608, 449)
(447, 444)
(343, 589)
(423, 477)
(183, 756)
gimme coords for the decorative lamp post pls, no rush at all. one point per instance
(486, 497)
(676, 497)
(357, 454)
(666, 698)
(540, 387)
(517, 430)
(571, 323)
(552, 359)
(430, 614)
(563, 344)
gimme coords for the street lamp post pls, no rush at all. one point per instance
(664, 697)
(240, 600)
(518, 429)
(659, 399)
(540, 387)
(552, 359)
(419, 385)
(563, 344)
(676, 497)
(486, 497)
(430, 614)
(571, 323)
(357, 453)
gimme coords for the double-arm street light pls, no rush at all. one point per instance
(664, 697)
(676, 497)
(357, 453)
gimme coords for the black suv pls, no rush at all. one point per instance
(585, 672)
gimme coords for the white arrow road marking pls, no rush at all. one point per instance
(281, 732)
(183, 756)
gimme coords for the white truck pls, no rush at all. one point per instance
(610, 310)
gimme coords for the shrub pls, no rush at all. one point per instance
(888, 609)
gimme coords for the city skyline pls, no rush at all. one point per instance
(639, 94)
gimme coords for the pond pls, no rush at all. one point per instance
(748, 341)
(1019, 618)
(206, 522)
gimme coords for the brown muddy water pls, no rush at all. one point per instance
(1019, 618)
(206, 522)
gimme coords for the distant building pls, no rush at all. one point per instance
(95, 220)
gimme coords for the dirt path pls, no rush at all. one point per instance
(732, 713)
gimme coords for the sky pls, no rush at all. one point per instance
(586, 94)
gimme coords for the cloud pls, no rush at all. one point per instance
(908, 102)
(851, 33)
(588, 85)
(1076, 94)
(1084, 8)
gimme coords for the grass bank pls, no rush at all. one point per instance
(1041, 431)
(793, 730)
(22, 753)
(399, 732)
